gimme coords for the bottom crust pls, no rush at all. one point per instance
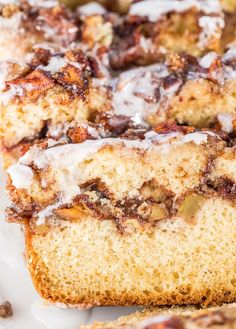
(89, 262)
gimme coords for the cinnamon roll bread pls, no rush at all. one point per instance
(25, 24)
(144, 218)
(55, 90)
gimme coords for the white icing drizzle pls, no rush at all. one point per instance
(229, 71)
(92, 131)
(3, 74)
(51, 46)
(8, 2)
(146, 44)
(208, 59)
(226, 121)
(52, 142)
(154, 9)
(55, 64)
(43, 3)
(92, 8)
(197, 137)
(58, 156)
(33, 3)
(230, 54)
(12, 23)
(12, 92)
(19, 171)
(134, 92)
(28, 310)
(211, 28)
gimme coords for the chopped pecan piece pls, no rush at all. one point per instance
(189, 207)
(225, 186)
(116, 124)
(79, 135)
(69, 214)
(73, 79)
(5, 310)
(57, 22)
(158, 212)
(151, 190)
(171, 126)
(41, 57)
(32, 85)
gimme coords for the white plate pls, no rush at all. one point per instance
(29, 312)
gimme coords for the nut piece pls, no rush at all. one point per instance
(96, 31)
(189, 207)
(70, 214)
(119, 6)
(5, 310)
(151, 190)
(158, 212)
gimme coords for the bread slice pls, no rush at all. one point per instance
(177, 27)
(156, 27)
(11, 34)
(129, 220)
(29, 23)
(43, 97)
(189, 90)
(148, 31)
(57, 91)
(175, 317)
